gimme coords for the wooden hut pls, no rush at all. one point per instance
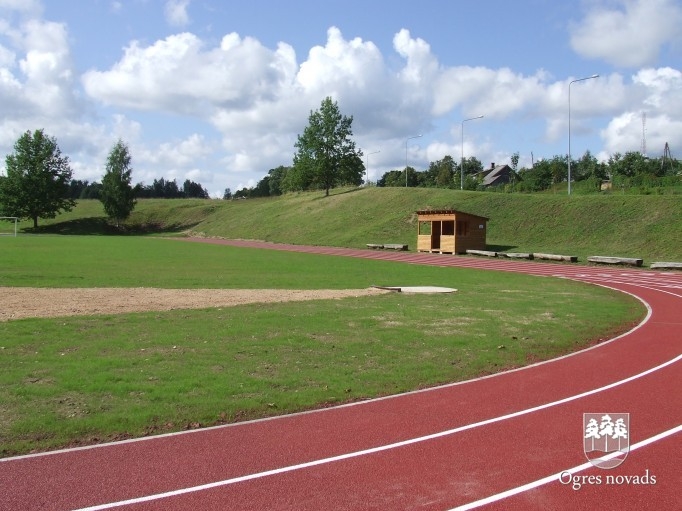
(447, 231)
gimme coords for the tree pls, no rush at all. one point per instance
(117, 194)
(326, 155)
(276, 177)
(392, 178)
(227, 195)
(192, 190)
(37, 181)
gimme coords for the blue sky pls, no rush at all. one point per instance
(217, 91)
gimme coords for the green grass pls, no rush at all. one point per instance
(77, 380)
(648, 227)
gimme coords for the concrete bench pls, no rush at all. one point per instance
(627, 261)
(666, 266)
(555, 257)
(486, 253)
(516, 255)
(387, 246)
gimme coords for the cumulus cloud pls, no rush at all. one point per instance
(658, 92)
(37, 78)
(628, 34)
(179, 75)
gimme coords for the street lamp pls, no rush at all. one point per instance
(367, 164)
(408, 138)
(461, 168)
(569, 125)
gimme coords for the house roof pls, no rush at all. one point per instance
(494, 174)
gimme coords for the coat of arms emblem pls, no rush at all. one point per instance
(606, 438)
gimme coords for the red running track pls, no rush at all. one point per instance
(503, 442)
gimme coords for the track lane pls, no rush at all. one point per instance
(301, 438)
(437, 471)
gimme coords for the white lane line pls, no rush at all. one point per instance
(373, 450)
(555, 477)
(607, 282)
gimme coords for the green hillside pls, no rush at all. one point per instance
(649, 226)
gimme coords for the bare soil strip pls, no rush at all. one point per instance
(20, 302)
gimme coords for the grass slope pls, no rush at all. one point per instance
(649, 227)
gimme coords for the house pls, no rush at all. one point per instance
(497, 175)
(448, 231)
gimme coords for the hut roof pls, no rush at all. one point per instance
(448, 212)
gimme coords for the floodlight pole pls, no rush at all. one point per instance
(461, 168)
(367, 164)
(569, 125)
(408, 138)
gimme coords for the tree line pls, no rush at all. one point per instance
(159, 189)
(631, 171)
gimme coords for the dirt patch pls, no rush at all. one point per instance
(21, 302)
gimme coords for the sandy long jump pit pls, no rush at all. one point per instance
(24, 302)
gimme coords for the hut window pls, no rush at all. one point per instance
(462, 228)
(448, 228)
(425, 228)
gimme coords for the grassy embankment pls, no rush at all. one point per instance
(649, 227)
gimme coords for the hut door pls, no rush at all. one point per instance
(435, 235)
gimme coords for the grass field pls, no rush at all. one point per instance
(78, 380)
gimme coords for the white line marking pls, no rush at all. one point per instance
(373, 450)
(555, 477)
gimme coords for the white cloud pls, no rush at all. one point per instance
(33, 7)
(179, 75)
(497, 92)
(658, 93)
(176, 12)
(630, 33)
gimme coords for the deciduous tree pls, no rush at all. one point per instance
(37, 181)
(326, 155)
(117, 194)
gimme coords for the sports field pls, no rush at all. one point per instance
(83, 378)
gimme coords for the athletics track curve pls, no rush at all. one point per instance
(500, 442)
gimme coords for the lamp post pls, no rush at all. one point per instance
(569, 124)
(461, 168)
(367, 164)
(408, 138)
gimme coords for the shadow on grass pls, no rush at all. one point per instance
(333, 192)
(500, 248)
(93, 226)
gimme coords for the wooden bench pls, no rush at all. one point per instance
(628, 261)
(666, 266)
(555, 257)
(374, 246)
